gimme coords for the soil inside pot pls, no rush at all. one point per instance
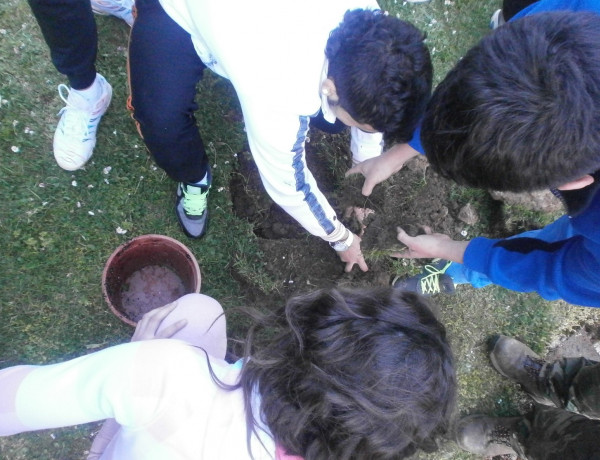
(148, 288)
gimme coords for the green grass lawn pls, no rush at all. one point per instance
(57, 228)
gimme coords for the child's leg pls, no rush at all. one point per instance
(557, 434)
(69, 29)
(164, 69)
(584, 392)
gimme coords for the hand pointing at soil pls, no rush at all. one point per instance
(380, 168)
(353, 255)
(430, 246)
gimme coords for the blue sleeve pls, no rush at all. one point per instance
(567, 269)
(415, 142)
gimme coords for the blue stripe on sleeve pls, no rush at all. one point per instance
(299, 166)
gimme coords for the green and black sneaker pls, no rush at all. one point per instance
(191, 207)
(432, 280)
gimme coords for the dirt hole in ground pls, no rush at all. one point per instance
(413, 197)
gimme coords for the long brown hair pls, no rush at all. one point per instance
(351, 374)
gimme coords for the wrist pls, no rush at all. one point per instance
(454, 251)
(400, 154)
(344, 243)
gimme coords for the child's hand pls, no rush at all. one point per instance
(353, 256)
(430, 246)
(146, 328)
(377, 169)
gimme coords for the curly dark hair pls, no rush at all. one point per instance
(352, 374)
(382, 71)
(521, 111)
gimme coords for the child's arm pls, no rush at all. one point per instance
(88, 388)
(380, 168)
(568, 269)
(431, 246)
(69, 393)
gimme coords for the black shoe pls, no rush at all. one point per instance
(487, 436)
(521, 364)
(191, 207)
(432, 280)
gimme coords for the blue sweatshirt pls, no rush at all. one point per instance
(568, 269)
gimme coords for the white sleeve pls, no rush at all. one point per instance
(101, 385)
(277, 142)
(364, 145)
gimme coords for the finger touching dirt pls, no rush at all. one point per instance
(353, 170)
(402, 236)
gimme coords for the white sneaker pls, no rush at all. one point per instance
(75, 135)
(119, 8)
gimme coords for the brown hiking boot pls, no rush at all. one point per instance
(487, 436)
(521, 364)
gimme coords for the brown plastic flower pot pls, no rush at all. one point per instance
(148, 272)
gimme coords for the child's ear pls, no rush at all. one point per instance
(577, 183)
(328, 89)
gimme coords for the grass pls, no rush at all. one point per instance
(58, 228)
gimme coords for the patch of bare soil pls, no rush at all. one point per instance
(415, 196)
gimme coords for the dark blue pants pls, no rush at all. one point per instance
(69, 28)
(164, 70)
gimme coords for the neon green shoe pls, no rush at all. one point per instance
(191, 207)
(432, 280)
